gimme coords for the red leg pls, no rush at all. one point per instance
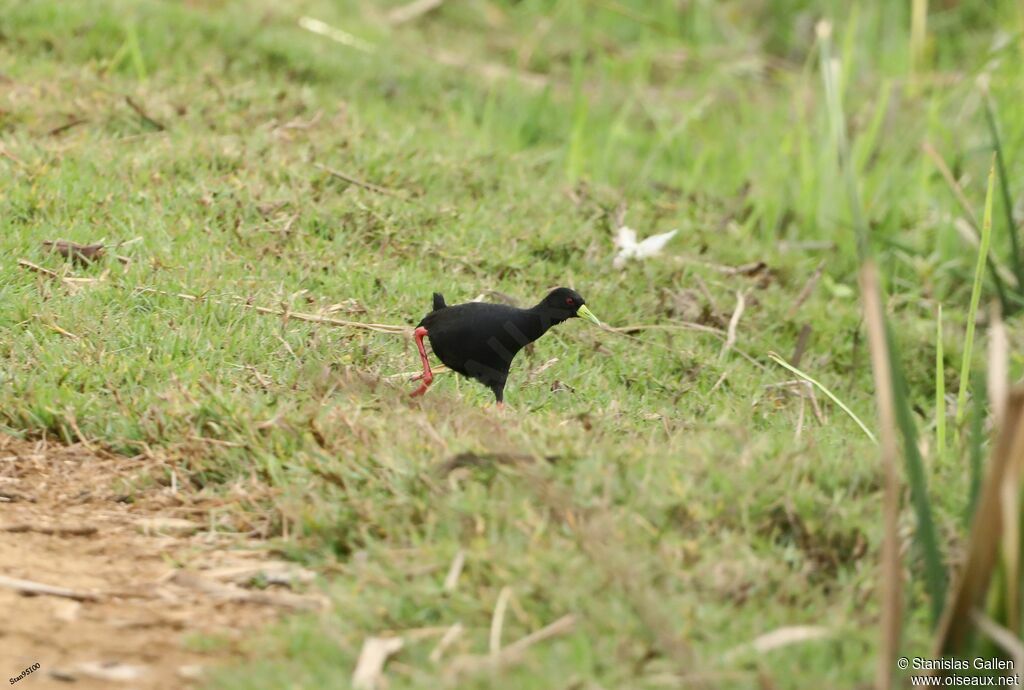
(427, 376)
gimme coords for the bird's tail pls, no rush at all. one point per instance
(439, 301)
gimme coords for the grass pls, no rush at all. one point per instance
(513, 135)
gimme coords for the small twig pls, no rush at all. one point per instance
(674, 326)
(34, 588)
(359, 183)
(734, 322)
(541, 369)
(10, 156)
(801, 344)
(807, 290)
(53, 530)
(626, 332)
(707, 293)
(800, 419)
(78, 432)
(144, 115)
(73, 122)
(818, 414)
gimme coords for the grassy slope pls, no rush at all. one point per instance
(677, 510)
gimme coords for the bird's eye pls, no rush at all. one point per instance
(568, 300)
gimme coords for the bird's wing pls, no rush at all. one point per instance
(439, 301)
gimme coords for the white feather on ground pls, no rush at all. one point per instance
(629, 248)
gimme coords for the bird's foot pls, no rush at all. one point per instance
(427, 379)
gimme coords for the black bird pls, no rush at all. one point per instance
(480, 340)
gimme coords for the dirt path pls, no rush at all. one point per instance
(150, 571)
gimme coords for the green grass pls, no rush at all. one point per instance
(712, 120)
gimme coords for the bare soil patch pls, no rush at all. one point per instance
(149, 567)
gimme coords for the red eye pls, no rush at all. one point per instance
(568, 300)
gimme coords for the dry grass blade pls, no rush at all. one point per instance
(890, 582)
(62, 331)
(33, 588)
(446, 641)
(1010, 643)
(38, 269)
(1004, 468)
(369, 186)
(72, 284)
(490, 71)
(498, 619)
(515, 651)
(297, 315)
(412, 11)
(369, 673)
(560, 627)
(451, 580)
(998, 372)
(778, 638)
(734, 322)
(918, 34)
(831, 396)
(335, 34)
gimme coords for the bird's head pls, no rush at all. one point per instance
(565, 303)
